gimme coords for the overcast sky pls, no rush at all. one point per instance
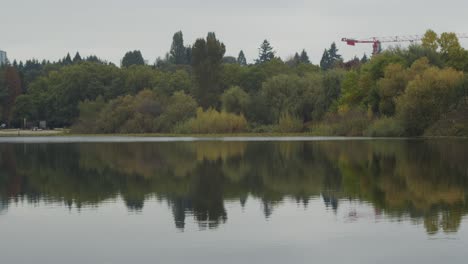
(108, 28)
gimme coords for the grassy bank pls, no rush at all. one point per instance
(67, 133)
(42, 133)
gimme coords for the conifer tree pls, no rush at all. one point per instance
(330, 57)
(241, 60)
(325, 61)
(266, 52)
(77, 58)
(364, 58)
(67, 60)
(304, 58)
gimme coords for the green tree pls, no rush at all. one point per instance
(132, 58)
(77, 58)
(325, 62)
(266, 52)
(67, 60)
(427, 97)
(390, 87)
(304, 58)
(207, 56)
(451, 50)
(57, 95)
(430, 40)
(235, 100)
(3, 90)
(241, 60)
(330, 57)
(364, 59)
(178, 52)
(179, 109)
(291, 94)
(333, 52)
(12, 86)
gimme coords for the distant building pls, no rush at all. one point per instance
(3, 57)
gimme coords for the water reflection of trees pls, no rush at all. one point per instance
(425, 180)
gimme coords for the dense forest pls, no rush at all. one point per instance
(413, 91)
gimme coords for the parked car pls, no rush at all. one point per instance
(3, 126)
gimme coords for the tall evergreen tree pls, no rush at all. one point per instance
(67, 60)
(132, 58)
(364, 58)
(330, 57)
(77, 58)
(207, 56)
(325, 61)
(178, 53)
(333, 52)
(304, 58)
(241, 60)
(297, 58)
(266, 52)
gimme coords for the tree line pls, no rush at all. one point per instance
(197, 88)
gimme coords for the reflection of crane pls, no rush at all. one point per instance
(377, 41)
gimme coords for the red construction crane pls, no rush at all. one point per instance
(377, 41)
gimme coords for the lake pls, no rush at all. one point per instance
(233, 200)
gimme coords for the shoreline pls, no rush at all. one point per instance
(63, 135)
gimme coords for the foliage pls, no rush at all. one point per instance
(330, 58)
(430, 40)
(178, 52)
(10, 89)
(235, 100)
(241, 60)
(454, 123)
(212, 121)
(385, 127)
(56, 96)
(132, 58)
(207, 57)
(265, 53)
(146, 112)
(427, 97)
(288, 123)
(180, 108)
(348, 122)
(304, 58)
(416, 87)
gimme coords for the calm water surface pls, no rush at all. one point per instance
(137, 200)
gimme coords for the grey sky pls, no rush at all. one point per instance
(108, 28)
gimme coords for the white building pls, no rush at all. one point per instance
(3, 57)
